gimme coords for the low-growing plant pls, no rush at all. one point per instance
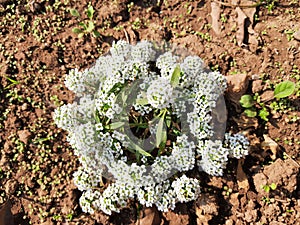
(85, 27)
(145, 116)
(270, 4)
(249, 103)
(69, 216)
(268, 187)
(12, 82)
(254, 107)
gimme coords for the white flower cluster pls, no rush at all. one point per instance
(164, 195)
(166, 63)
(86, 179)
(160, 93)
(237, 145)
(214, 157)
(105, 148)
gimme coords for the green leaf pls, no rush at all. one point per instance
(250, 112)
(264, 113)
(124, 96)
(247, 101)
(266, 188)
(163, 142)
(273, 186)
(97, 116)
(116, 125)
(90, 12)
(74, 12)
(160, 131)
(164, 138)
(12, 80)
(175, 76)
(76, 30)
(83, 25)
(96, 33)
(90, 27)
(139, 149)
(81, 35)
(168, 121)
(142, 101)
(284, 89)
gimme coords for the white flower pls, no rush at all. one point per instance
(186, 189)
(121, 48)
(191, 67)
(166, 63)
(143, 52)
(214, 157)
(237, 144)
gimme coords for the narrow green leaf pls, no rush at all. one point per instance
(116, 125)
(76, 30)
(139, 149)
(74, 12)
(163, 143)
(250, 112)
(164, 138)
(247, 101)
(96, 33)
(124, 96)
(168, 121)
(175, 76)
(159, 131)
(12, 80)
(284, 89)
(97, 116)
(90, 12)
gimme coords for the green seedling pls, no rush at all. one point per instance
(12, 82)
(86, 27)
(270, 4)
(289, 34)
(267, 188)
(69, 216)
(249, 103)
(57, 217)
(289, 211)
(253, 106)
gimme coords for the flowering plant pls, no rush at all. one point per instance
(144, 118)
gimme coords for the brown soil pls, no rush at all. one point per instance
(36, 162)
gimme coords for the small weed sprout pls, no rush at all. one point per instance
(86, 27)
(254, 107)
(145, 116)
(267, 188)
